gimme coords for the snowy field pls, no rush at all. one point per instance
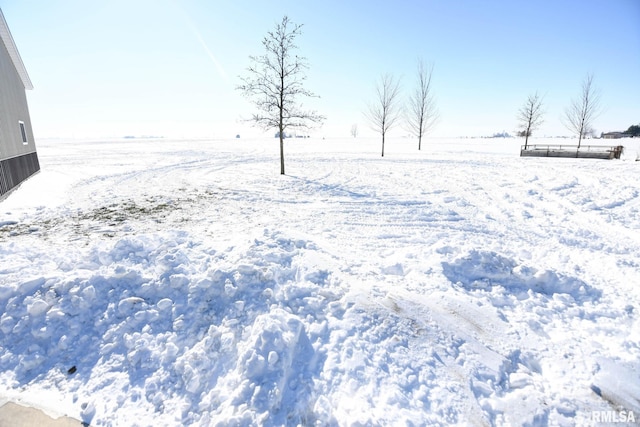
(157, 282)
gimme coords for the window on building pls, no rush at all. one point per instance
(24, 132)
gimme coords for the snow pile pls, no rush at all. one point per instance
(196, 333)
(161, 284)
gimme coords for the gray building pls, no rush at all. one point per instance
(18, 157)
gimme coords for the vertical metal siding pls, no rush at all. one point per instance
(16, 170)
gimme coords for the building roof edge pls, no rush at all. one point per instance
(7, 39)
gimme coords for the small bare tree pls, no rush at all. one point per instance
(582, 111)
(383, 113)
(422, 113)
(530, 116)
(354, 130)
(275, 81)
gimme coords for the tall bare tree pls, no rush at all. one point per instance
(275, 81)
(422, 113)
(384, 111)
(582, 111)
(354, 130)
(530, 116)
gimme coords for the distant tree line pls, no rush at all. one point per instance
(634, 130)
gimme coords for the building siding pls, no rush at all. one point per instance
(13, 109)
(18, 160)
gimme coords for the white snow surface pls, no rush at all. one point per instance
(165, 282)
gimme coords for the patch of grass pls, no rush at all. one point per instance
(87, 222)
(129, 210)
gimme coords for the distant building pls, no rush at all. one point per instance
(614, 135)
(18, 157)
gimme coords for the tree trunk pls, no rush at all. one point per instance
(383, 145)
(281, 106)
(281, 128)
(281, 155)
(580, 135)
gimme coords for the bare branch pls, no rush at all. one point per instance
(275, 82)
(580, 114)
(422, 114)
(383, 113)
(530, 116)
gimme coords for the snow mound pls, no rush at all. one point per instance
(180, 324)
(489, 271)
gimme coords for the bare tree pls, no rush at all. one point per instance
(275, 81)
(530, 116)
(582, 111)
(422, 113)
(354, 130)
(383, 113)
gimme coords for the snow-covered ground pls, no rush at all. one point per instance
(157, 282)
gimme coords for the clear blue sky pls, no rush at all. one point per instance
(170, 67)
